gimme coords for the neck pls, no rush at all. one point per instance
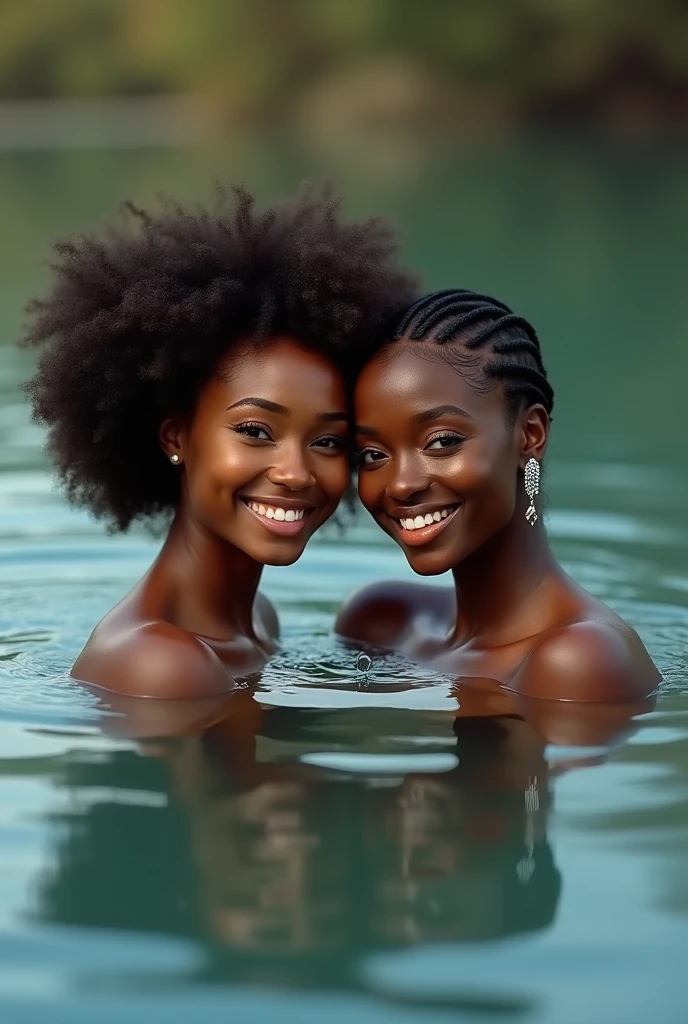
(504, 589)
(209, 584)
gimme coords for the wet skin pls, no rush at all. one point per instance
(263, 464)
(431, 446)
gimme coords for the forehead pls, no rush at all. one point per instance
(281, 371)
(405, 379)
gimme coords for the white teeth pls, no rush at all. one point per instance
(282, 515)
(426, 520)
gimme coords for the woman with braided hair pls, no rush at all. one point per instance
(452, 419)
(195, 368)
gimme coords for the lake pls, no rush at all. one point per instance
(345, 847)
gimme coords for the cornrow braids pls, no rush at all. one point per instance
(483, 325)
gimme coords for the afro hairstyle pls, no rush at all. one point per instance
(137, 321)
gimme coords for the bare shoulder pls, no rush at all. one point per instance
(383, 613)
(595, 660)
(153, 659)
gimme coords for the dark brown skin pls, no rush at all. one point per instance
(514, 619)
(196, 620)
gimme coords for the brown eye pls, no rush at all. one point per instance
(256, 431)
(331, 443)
(443, 441)
(369, 456)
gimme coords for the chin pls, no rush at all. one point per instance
(281, 557)
(427, 564)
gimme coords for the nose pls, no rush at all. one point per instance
(407, 479)
(291, 470)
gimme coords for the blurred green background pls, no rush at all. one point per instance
(532, 148)
(484, 59)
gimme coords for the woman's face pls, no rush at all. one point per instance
(265, 458)
(439, 463)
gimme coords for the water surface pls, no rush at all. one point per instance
(342, 846)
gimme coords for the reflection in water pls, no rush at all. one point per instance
(229, 837)
(251, 851)
(304, 858)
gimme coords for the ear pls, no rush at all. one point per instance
(533, 433)
(171, 436)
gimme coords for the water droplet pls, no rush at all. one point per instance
(364, 663)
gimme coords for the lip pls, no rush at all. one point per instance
(424, 534)
(281, 527)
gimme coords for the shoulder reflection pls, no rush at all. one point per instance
(257, 843)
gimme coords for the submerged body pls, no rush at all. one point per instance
(256, 484)
(197, 368)
(583, 652)
(443, 452)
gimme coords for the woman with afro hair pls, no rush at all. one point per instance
(195, 367)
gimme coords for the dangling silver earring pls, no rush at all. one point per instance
(526, 865)
(174, 458)
(532, 488)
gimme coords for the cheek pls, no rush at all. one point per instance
(370, 487)
(334, 477)
(491, 479)
(216, 461)
(485, 478)
(482, 467)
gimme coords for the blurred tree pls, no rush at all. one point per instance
(257, 57)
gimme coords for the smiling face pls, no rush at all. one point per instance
(439, 465)
(264, 457)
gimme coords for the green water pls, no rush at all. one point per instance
(350, 853)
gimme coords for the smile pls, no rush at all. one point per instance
(421, 529)
(279, 519)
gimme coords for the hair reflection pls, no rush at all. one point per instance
(229, 837)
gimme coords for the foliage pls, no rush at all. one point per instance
(260, 54)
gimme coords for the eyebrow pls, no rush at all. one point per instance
(282, 410)
(438, 411)
(333, 417)
(422, 417)
(261, 403)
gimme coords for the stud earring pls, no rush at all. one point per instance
(532, 482)
(174, 458)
